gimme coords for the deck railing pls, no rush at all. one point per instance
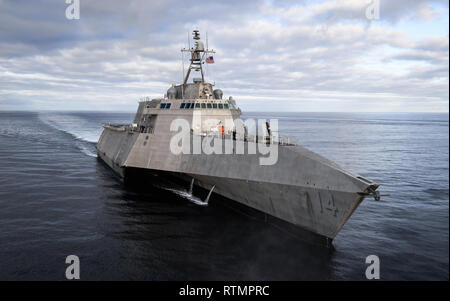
(273, 139)
(280, 140)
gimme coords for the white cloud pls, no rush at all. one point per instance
(310, 56)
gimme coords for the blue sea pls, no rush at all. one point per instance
(58, 199)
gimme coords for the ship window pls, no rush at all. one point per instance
(225, 105)
(220, 106)
(168, 105)
(182, 105)
(203, 105)
(189, 105)
(214, 106)
(162, 106)
(192, 105)
(197, 105)
(209, 106)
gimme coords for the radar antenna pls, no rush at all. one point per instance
(198, 53)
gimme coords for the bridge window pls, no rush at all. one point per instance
(197, 105)
(162, 106)
(208, 105)
(182, 105)
(220, 106)
(168, 105)
(225, 105)
(203, 105)
(214, 106)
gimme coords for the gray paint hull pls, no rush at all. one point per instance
(302, 188)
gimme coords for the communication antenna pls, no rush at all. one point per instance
(207, 69)
(197, 56)
(182, 66)
(189, 40)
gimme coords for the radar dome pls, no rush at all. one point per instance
(218, 94)
(171, 93)
(199, 46)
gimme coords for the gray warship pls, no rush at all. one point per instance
(302, 191)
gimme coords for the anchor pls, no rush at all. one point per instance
(374, 193)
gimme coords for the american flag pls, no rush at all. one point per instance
(210, 60)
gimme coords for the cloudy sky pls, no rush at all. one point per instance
(271, 55)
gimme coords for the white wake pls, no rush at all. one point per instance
(84, 132)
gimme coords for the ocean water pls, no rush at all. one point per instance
(58, 199)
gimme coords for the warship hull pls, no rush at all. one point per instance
(193, 132)
(301, 189)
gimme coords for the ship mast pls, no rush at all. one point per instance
(198, 53)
